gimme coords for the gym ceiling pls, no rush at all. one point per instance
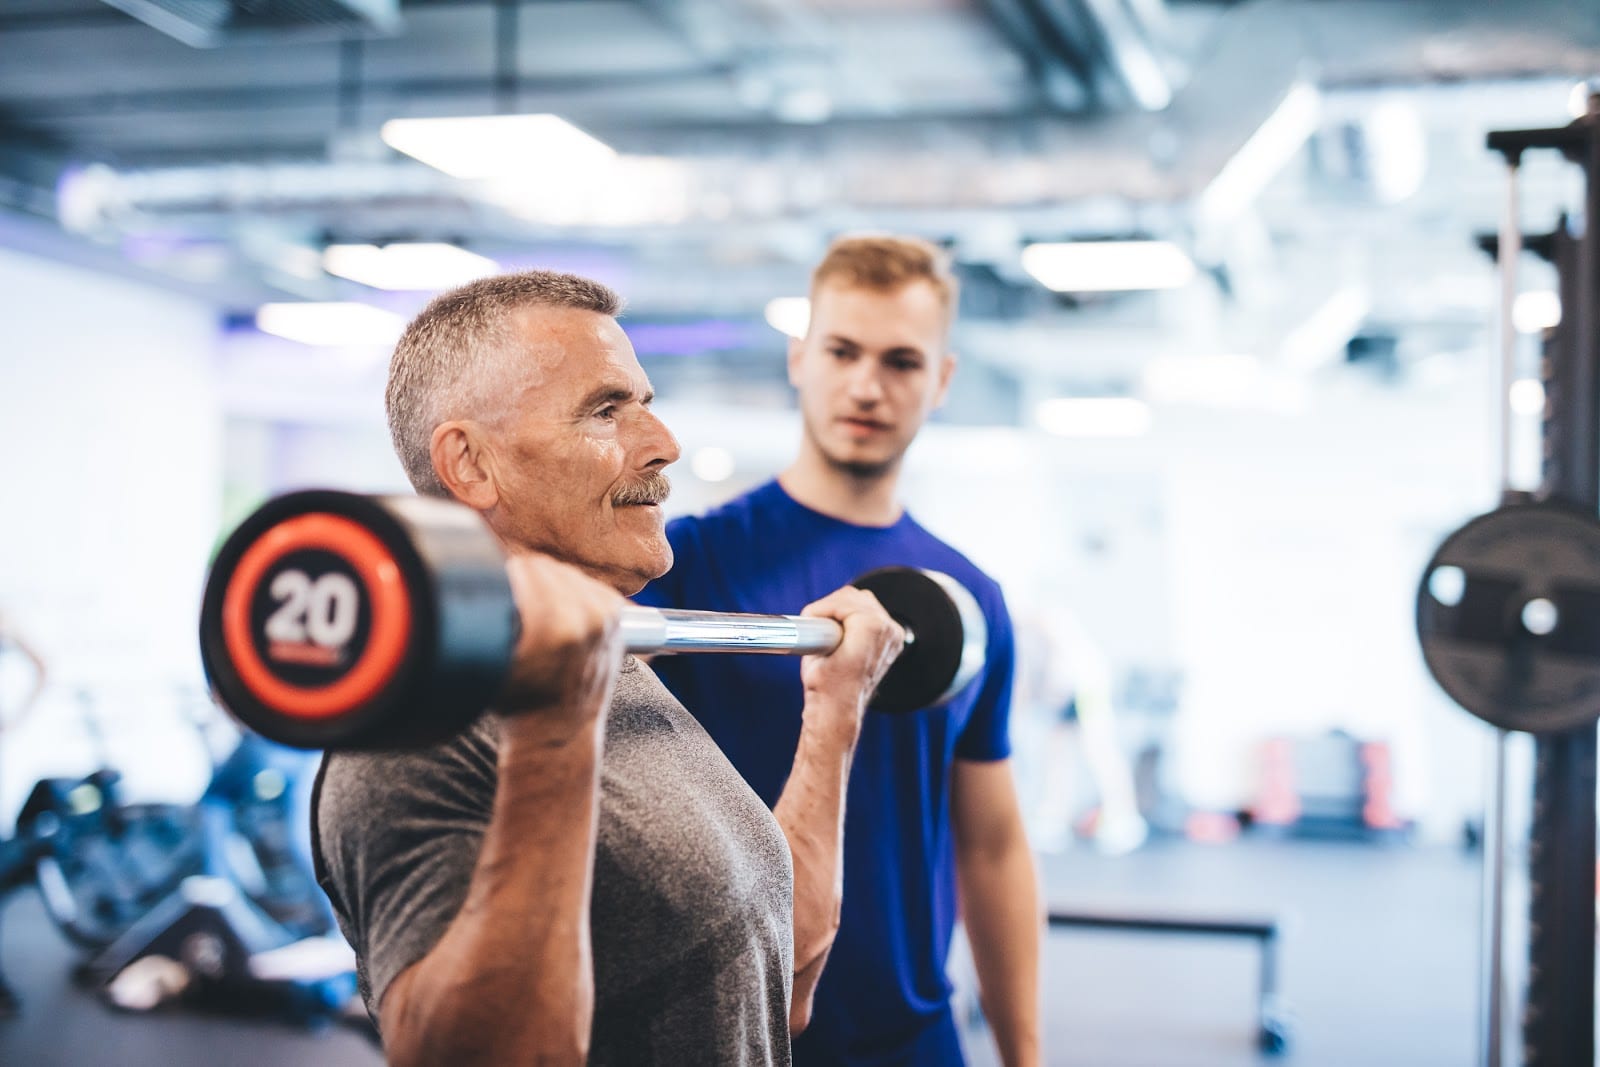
(217, 146)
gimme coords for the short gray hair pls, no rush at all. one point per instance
(447, 357)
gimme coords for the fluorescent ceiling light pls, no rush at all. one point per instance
(489, 146)
(1258, 161)
(790, 315)
(1536, 310)
(712, 464)
(410, 267)
(1104, 266)
(1093, 416)
(624, 191)
(1527, 396)
(331, 324)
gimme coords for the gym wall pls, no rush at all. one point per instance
(110, 476)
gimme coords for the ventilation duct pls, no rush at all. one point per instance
(208, 23)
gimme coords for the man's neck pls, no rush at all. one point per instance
(863, 500)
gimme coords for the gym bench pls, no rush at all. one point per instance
(1273, 1034)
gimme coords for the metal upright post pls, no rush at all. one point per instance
(1492, 945)
(1558, 1022)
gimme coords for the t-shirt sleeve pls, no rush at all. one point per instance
(987, 735)
(398, 836)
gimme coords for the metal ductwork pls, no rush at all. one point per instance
(1091, 54)
(209, 23)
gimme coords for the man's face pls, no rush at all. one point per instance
(870, 369)
(577, 453)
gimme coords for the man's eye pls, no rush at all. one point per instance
(607, 412)
(905, 364)
(841, 353)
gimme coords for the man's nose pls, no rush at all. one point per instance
(657, 446)
(864, 385)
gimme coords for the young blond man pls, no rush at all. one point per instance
(931, 813)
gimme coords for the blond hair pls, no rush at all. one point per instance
(448, 360)
(887, 263)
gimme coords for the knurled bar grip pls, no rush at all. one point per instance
(649, 630)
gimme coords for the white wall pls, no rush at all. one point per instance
(110, 471)
(1297, 544)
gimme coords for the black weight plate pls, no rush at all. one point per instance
(380, 714)
(1508, 616)
(454, 654)
(924, 672)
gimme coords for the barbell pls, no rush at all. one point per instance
(337, 620)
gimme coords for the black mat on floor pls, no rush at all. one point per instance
(63, 1026)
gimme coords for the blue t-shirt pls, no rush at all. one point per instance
(883, 997)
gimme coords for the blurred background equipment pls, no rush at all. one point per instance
(206, 887)
(1507, 618)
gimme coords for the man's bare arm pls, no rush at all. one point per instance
(1000, 904)
(811, 808)
(512, 979)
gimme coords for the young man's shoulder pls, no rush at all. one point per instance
(941, 555)
(732, 519)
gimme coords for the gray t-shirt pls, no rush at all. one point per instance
(692, 912)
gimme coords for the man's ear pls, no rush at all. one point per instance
(464, 464)
(947, 371)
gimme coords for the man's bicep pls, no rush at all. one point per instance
(984, 808)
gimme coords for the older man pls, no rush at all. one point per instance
(582, 874)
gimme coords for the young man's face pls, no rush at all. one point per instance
(579, 453)
(869, 371)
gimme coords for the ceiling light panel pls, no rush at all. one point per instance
(491, 146)
(419, 267)
(1108, 266)
(335, 324)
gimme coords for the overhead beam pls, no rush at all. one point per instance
(1062, 77)
(290, 97)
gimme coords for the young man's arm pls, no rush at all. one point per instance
(811, 808)
(1000, 903)
(512, 979)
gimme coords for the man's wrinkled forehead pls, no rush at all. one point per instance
(546, 329)
(564, 350)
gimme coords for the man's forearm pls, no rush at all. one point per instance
(512, 979)
(1004, 920)
(811, 813)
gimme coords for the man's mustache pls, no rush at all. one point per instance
(653, 488)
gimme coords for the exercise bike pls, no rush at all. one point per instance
(215, 900)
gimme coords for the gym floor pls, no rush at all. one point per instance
(1378, 968)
